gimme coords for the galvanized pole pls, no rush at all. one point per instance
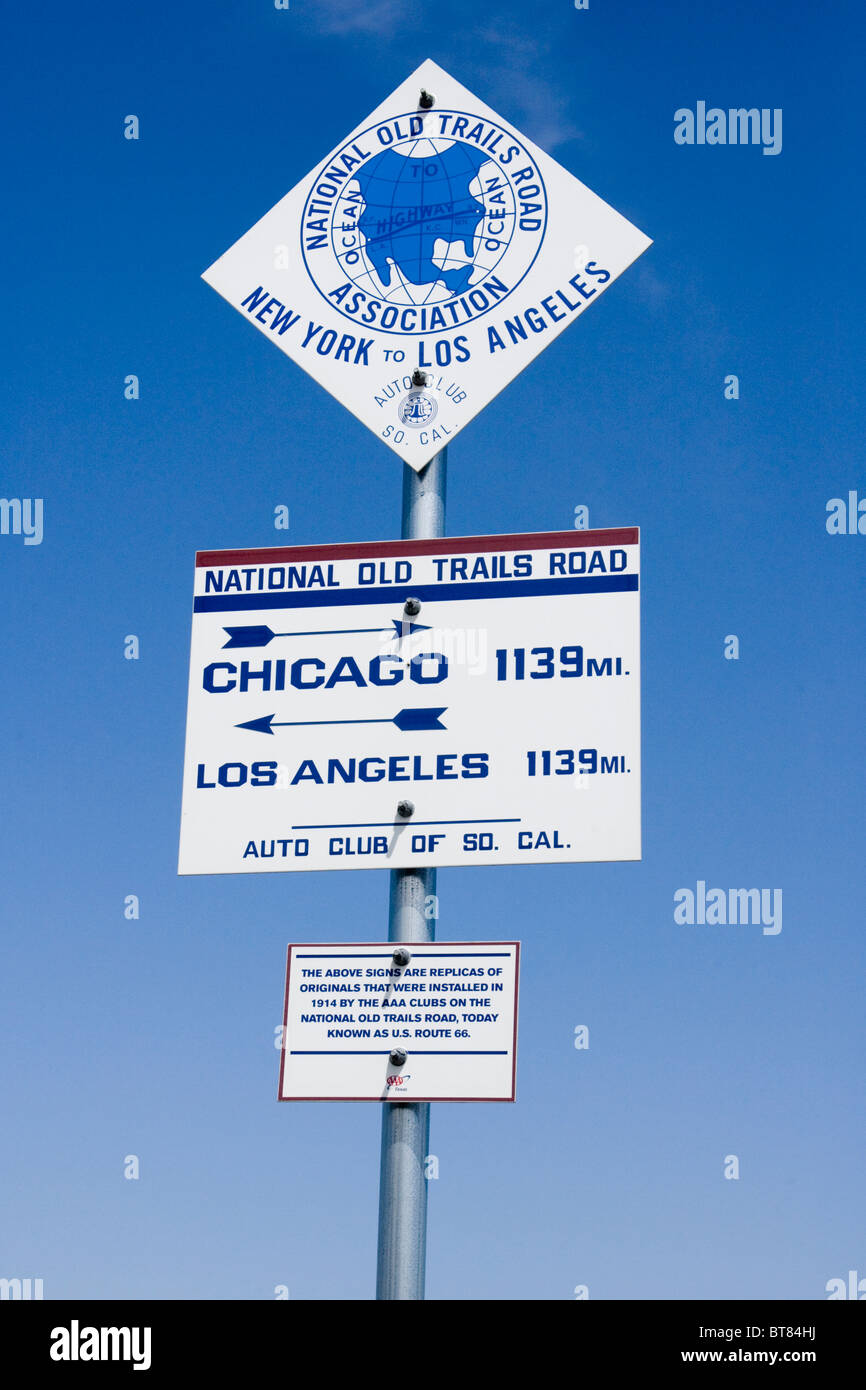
(411, 917)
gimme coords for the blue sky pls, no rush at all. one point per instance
(155, 1037)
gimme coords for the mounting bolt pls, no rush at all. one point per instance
(397, 1056)
(402, 956)
(419, 378)
(405, 809)
(412, 607)
(425, 101)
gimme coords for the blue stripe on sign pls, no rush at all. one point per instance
(419, 946)
(330, 598)
(381, 824)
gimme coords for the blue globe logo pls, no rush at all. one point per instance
(427, 233)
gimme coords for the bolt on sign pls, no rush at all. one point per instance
(417, 1022)
(425, 262)
(464, 700)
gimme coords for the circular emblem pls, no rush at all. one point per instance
(424, 222)
(417, 409)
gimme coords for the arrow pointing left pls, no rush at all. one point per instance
(408, 720)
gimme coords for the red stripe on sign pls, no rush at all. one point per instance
(445, 545)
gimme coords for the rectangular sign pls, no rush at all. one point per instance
(358, 1026)
(436, 239)
(498, 724)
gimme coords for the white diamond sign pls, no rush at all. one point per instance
(425, 262)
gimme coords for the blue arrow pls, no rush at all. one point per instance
(260, 636)
(408, 720)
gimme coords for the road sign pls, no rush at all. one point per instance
(439, 239)
(497, 723)
(358, 1025)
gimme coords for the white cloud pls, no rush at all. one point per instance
(505, 65)
(380, 17)
(513, 81)
(652, 289)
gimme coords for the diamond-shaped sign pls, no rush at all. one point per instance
(425, 262)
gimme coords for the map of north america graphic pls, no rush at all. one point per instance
(411, 203)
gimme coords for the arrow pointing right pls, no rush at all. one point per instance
(259, 635)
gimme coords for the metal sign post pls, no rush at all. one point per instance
(402, 1253)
